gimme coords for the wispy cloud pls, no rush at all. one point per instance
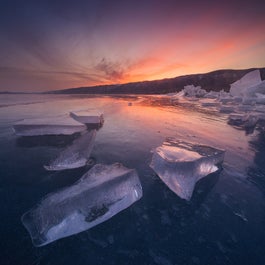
(57, 44)
(77, 76)
(112, 71)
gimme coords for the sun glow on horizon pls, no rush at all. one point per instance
(88, 44)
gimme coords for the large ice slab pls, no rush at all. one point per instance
(64, 125)
(241, 87)
(181, 164)
(76, 155)
(101, 193)
(88, 117)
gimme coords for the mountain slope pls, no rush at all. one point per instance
(216, 80)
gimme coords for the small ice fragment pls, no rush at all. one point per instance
(194, 91)
(212, 94)
(237, 119)
(181, 164)
(260, 98)
(48, 126)
(249, 101)
(241, 215)
(76, 155)
(244, 121)
(245, 108)
(101, 193)
(252, 120)
(226, 100)
(237, 100)
(260, 109)
(227, 109)
(88, 117)
(208, 103)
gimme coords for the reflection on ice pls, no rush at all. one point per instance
(76, 155)
(100, 194)
(48, 126)
(181, 164)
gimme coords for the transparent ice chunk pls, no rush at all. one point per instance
(88, 117)
(64, 125)
(76, 155)
(101, 193)
(243, 85)
(181, 164)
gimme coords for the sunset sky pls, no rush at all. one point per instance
(48, 45)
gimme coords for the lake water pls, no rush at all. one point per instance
(222, 224)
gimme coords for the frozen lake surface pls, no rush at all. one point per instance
(223, 223)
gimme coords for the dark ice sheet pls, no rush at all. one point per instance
(222, 224)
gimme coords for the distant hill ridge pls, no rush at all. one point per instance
(216, 81)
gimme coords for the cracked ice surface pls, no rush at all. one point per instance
(48, 126)
(101, 193)
(181, 164)
(76, 155)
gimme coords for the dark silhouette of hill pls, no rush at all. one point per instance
(216, 81)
